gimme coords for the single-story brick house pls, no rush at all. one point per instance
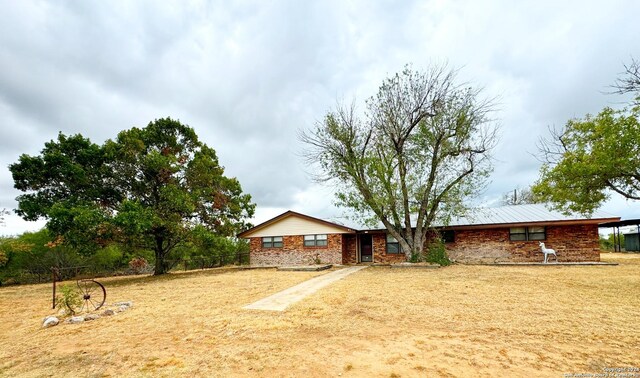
(501, 234)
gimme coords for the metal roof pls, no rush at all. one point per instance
(513, 214)
(622, 223)
(478, 217)
(531, 213)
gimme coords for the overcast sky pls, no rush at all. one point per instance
(248, 75)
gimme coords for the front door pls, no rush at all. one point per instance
(366, 248)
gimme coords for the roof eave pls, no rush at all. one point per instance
(564, 222)
(288, 213)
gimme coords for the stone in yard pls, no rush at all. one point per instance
(127, 303)
(50, 321)
(89, 317)
(75, 319)
(123, 308)
(108, 312)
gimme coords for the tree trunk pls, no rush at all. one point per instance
(160, 267)
(412, 244)
(406, 248)
(417, 251)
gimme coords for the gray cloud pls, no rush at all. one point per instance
(248, 75)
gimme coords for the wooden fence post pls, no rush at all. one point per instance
(53, 300)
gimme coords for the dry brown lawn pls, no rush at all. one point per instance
(454, 321)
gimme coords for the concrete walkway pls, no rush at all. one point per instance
(280, 301)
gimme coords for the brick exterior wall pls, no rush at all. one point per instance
(379, 241)
(349, 251)
(293, 252)
(380, 251)
(571, 243)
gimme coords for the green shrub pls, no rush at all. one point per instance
(437, 253)
(69, 299)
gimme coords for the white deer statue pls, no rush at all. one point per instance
(547, 252)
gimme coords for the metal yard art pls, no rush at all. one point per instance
(92, 293)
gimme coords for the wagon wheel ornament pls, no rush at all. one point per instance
(93, 294)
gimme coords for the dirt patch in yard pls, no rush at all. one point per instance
(454, 321)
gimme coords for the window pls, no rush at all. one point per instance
(315, 240)
(393, 247)
(536, 233)
(518, 233)
(448, 236)
(272, 242)
(527, 233)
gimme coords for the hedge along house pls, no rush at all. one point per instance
(502, 234)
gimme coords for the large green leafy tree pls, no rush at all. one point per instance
(149, 188)
(411, 160)
(593, 157)
(68, 184)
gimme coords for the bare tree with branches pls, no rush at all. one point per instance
(519, 196)
(3, 212)
(420, 149)
(630, 81)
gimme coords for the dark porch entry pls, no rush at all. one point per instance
(366, 248)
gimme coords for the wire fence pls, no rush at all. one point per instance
(207, 262)
(80, 272)
(41, 271)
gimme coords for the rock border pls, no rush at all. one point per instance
(107, 310)
(305, 268)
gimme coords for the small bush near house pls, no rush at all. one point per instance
(436, 253)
